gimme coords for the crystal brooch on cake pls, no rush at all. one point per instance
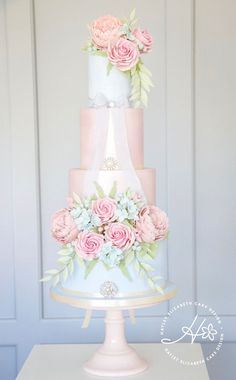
(108, 289)
(110, 163)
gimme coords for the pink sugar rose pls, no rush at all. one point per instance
(152, 224)
(63, 229)
(145, 38)
(124, 54)
(103, 30)
(105, 209)
(120, 235)
(88, 245)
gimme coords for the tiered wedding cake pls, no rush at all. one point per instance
(110, 228)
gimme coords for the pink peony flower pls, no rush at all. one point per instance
(145, 38)
(122, 53)
(64, 228)
(103, 30)
(105, 209)
(120, 235)
(88, 245)
(152, 224)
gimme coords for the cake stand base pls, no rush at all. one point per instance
(115, 357)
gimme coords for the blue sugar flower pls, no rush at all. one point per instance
(76, 212)
(95, 221)
(127, 209)
(110, 255)
(121, 214)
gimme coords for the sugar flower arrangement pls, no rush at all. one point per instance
(116, 230)
(123, 44)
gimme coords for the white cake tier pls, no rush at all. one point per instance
(77, 283)
(104, 88)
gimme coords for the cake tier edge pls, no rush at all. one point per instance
(147, 177)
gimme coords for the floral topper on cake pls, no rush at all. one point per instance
(123, 44)
(117, 230)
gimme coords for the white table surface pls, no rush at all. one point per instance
(64, 362)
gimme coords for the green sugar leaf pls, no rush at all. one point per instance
(132, 14)
(56, 280)
(129, 257)
(51, 271)
(65, 274)
(64, 260)
(137, 266)
(71, 266)
(113, 191)
(99, 190)
(76, 198)
(45, 279)
(151, 283)
(142, 273)
(99, 53)
(147, 267)
(80, 261)
(89, 267)
(159, 289)
(124, 270)
(106, 266)
(65, 252)
(146, 71)
(109, 67)
(155, 278)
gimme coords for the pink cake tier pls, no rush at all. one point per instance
(134, 125)
(146, 176)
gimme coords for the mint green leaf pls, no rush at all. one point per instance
(51, 271)
(137, 266)
(89, 267)
(147, 267)
(113, 191)
(129, 257)
(100, 190)
(93, 197)
(71, 267)
(125, 271)
(64, 252)
(151, 283)
(145, 78)
(146, 71)
(144, 98)
(132, 24)
(159, 289)
(56, 280)
(99, 53)
(155, 278)
(109, 67)
(80, 261)
(142, 273)
(76, 198)
(45, 279)
(64, 260)
(146, 256)
(132, 14)
(65, 274)
(106, 266)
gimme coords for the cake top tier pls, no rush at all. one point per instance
(116, 70)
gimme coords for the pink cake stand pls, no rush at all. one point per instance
(114, 357)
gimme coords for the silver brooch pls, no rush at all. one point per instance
(108, 289)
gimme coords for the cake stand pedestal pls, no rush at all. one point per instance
(114, 357)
